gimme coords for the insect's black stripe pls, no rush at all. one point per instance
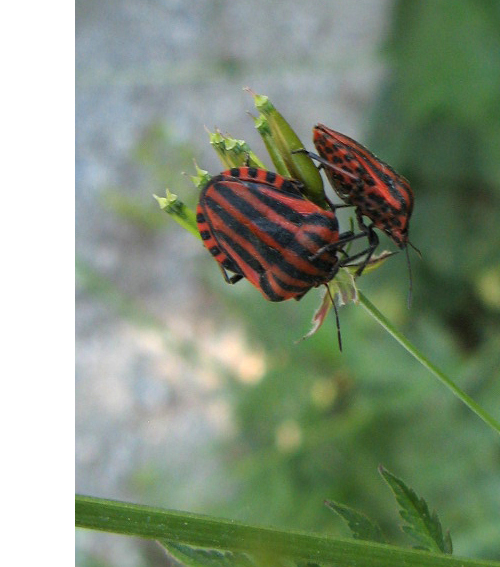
(296, 248)
(289, 287)
(317, 239)
(270, 177)
(248, 258)
(230, 264)
(276, 231)
(396, 188)
(281, 235)
(268, 291)
(243, 202)
(323, 220)
(269, 255)
(289, 213)
(212, 244)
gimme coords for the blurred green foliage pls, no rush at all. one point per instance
(318, 423)
(438, 121)
(163, 158)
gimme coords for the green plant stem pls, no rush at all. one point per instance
(215, 533)
(467, 400)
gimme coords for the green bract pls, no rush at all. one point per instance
(233, 152)
(286, 141)
(185, 216)
(263, 128)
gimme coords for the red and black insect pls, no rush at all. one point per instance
(364, 181)
(258, 225)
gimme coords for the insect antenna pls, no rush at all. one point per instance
(416, 249)
(410, 291)
(339, 336)
(325, 164)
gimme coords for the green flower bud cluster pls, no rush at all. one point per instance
(280, 141)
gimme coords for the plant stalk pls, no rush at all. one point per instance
(467, 400)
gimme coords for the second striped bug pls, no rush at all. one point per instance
(373, 187)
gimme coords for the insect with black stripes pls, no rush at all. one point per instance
(364, 181)
(259, 226)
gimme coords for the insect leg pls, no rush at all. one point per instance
(373, 242)
(230, 279)
(344, 238)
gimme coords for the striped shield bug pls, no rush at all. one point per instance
(258, 225)
(364, 181)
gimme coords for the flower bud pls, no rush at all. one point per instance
(299, 165)
(232, 152)
(262, 126)
(179, 211)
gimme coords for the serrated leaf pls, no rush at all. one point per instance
(422, 525)
(448, 544)
(207, 532)
(197, 557)
(360, 525)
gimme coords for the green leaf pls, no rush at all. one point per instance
(228, 535)
(196, 557)
(360, 525)
(422, 525)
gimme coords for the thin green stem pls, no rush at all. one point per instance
(467, 400)
(217, 533)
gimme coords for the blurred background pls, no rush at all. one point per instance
(194, 395)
